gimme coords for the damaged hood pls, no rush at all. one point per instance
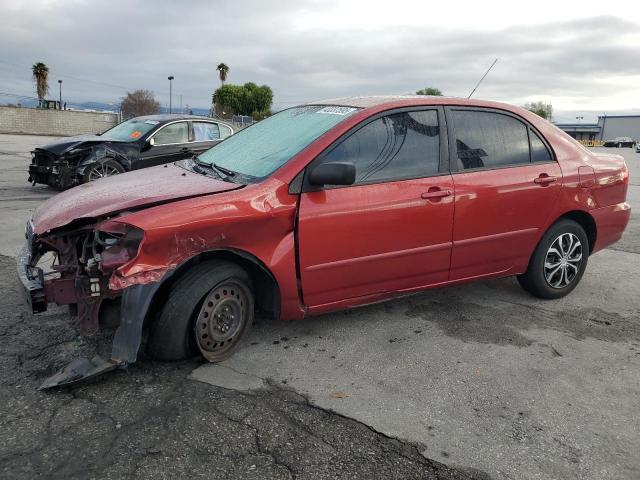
(63, 145)
(129, 191)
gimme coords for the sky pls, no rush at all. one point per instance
(582, 57)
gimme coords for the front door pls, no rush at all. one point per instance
(506, 183)
(170, 144)
(389, 231)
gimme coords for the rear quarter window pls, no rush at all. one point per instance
(539, 151)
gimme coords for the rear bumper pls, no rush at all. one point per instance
(610, 224)
(32, 279)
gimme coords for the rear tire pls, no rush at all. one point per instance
(558, 262)
(102, 169)
(209, 309)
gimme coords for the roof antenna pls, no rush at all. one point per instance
(480, 81)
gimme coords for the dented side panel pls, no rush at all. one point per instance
(258, 220)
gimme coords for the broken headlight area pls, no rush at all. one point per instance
(83, 261)
(113, 245)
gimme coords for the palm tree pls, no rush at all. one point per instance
(41, 77)
(223, 70)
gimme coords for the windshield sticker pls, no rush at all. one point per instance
(135, 134)
(337, 110)
(151, 122)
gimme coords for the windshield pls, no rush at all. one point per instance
(131, 130)
(264, 147)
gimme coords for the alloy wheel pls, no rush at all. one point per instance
(101, 171)
(563, 260)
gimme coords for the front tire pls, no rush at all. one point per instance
(559, 261)
(209, 309)
(102, 169)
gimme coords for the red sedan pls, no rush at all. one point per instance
(323, 207)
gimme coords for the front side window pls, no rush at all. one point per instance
(131, 130)
(394, 147)
(259, 150)
(489, 140)
(172, 133)
(205, 131)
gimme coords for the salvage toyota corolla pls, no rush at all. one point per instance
(318, 208)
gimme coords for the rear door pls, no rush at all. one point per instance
(171, 143)
(206, 135)
(506, 182)
(389, 231)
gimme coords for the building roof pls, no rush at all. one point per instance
(618, 116)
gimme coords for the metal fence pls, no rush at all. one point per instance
(591, 143)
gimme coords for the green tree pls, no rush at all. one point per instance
(430, 91)
(41, 78)
(223, 72)
(545, 110)
(247, 99)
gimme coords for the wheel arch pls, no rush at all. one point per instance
(92, 161)
(265, 285)
(586, 221)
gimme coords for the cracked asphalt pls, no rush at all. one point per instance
(478, 381)
(153, 421)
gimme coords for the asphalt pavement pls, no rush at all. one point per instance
(482, 378)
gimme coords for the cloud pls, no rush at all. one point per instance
(585, 63)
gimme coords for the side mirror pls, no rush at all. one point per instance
(152, 142)
(333, 173)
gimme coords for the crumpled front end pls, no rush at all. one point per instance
(85, 257)
(58, 171)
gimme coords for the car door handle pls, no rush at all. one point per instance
(543, 179)
(185, 150)
(436, 193)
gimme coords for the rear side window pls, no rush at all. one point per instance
(539, 151)
(205, 131)
(397, 146)
(489, 140)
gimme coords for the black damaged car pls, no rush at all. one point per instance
(136, 143)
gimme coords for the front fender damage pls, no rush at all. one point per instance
(136, 300)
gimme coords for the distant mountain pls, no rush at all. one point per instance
(93, 106)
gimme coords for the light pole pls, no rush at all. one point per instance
(170, 78)
(60, 83)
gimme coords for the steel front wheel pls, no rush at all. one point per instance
(222, 319)
(559, 261)
(102, 169)
(208, 310)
